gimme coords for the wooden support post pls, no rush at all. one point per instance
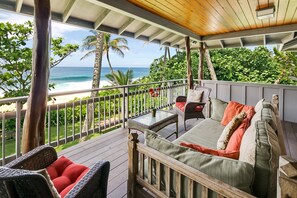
(201, 57)
(287, 177)
(34, 123)
(212, 72)
(132, 164)
(189, 63)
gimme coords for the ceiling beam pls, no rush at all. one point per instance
(289, 37)
(290, 44)
(167, 38)
(176, 41)
(125, 25)
(250, 33)
(128, 9)
(141, 30)
(18, 5)
(265, 40)
(69, 8)
(153, 36)
(101, 18)
(222, 43)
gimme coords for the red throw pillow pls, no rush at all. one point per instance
(233, 108)
(235, 140)
(222, 153)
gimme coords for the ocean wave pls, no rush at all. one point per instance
(70, 78)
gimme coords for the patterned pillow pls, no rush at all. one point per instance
(229, 129)
(194, 95)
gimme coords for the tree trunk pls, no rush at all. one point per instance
(201, 57)
(34, 123)
(210, 66)
(189, 64)
(96, 79)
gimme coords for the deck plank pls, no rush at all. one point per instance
(113, 148)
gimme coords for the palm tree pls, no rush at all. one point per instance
(119, 78)
(116, 45)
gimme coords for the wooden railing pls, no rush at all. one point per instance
(65, 122)
(139, 153)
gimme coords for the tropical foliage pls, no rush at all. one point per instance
(120, 78)
(16, 57)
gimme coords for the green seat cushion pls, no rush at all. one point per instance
(206, 133)
(217, 109)
(233, 172)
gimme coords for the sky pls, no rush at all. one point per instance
(141, 54)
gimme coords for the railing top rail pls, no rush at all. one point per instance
(54, 94)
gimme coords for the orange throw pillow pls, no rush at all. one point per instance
(222, 153)
(233, 108)
(235, 140)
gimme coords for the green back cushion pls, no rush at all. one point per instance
(217, 109)
(267, 154)
(268, 115)
(236, 173)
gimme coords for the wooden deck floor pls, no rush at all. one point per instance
(113, 148)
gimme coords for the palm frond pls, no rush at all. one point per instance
(89, 53)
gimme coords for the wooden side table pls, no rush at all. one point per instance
(162, 119)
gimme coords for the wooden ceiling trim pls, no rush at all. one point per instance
(101, 18)
(125, 25)
(133, 11)
(141, 30)
(240, 14)
(246, 9)
(69, 8)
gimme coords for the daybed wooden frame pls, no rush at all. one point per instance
(138, 152)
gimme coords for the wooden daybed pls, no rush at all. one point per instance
(149, 168)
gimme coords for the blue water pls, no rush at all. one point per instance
(74, 78)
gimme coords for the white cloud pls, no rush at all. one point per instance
(58, 29)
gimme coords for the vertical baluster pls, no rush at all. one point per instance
(18, 128)
(104, 112)
(178, 185)
(119, 109)
(131, 105)
(3, 138)
(138, 103)
(190, 188)
(99, 114)
(73, 121)
(49, 126)
(114, 110)
(145, 105)
(58, 130)
(109, 114)
(87, 116)
(158, 175)
(93, 114)
(149, 174)
(141, 102)
(134, 102)
(80, 118)
(65, 122)
(204, 192)
(141, 165)
(167, 179)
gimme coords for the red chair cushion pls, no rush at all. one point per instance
(65, 174)
(202, 149)
(181, 106)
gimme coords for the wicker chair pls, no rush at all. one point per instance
(189, 110)
(16, 179)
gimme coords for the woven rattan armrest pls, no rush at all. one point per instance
(39, 158)
(191, 106)
(93, 183)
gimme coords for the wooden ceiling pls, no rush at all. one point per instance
(209, 17)
(216, 23)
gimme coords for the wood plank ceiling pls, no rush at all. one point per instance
(217, 23)
(220, 16)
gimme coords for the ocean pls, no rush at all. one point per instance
(77, 78)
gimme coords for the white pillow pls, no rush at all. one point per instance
(194, 95)
(259, 105)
